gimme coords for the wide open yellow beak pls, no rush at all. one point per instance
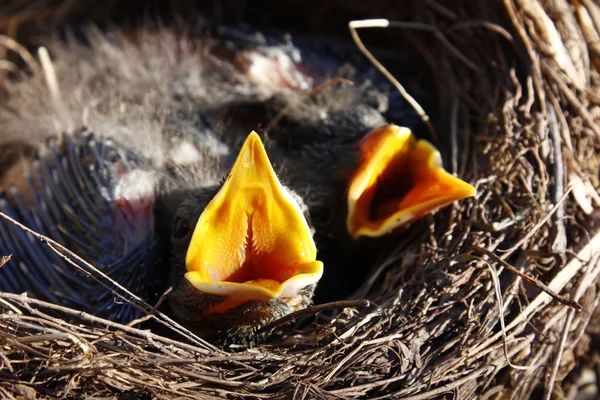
(399, 180)
(252, 242)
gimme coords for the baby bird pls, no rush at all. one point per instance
(137, 157)
(92, 156)
(251, 257)
(111, 151)
(399, 179)
(361, 186)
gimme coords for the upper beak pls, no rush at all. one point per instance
(252, 242)
(399, 180)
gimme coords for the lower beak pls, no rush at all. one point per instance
(399, 180)
(252, 242)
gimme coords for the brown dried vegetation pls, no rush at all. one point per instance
(515, 83)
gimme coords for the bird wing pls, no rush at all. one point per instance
(94, 198)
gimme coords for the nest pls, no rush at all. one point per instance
(493, 297)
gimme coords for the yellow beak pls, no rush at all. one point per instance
(252, 242)
(399, 180)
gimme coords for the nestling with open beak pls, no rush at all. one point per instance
(388, 178)
(169, 120)
(152, 108)
(400, 179)
(166, 141)
(251, 257)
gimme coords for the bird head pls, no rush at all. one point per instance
(250, 258)
(399, 179)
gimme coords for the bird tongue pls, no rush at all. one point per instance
(399, 180)
(252, 241)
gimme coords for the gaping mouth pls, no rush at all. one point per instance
(252, 242)
(399, 180)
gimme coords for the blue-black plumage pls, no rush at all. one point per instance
(74, 195)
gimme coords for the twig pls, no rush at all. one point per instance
(431, 393)
(314, 310)
(498, 293)
(454, 130)
(564, 276)
(537, 226)
(549, 389)
(558, 170)
(532, 54)
(383, 23)
(151, 337)
(441, 9)
(540, 285)
(572, 99)
(145, 318)
(486, 24)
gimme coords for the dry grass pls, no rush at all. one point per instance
(516, 84)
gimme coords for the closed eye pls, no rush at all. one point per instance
(181, 228)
